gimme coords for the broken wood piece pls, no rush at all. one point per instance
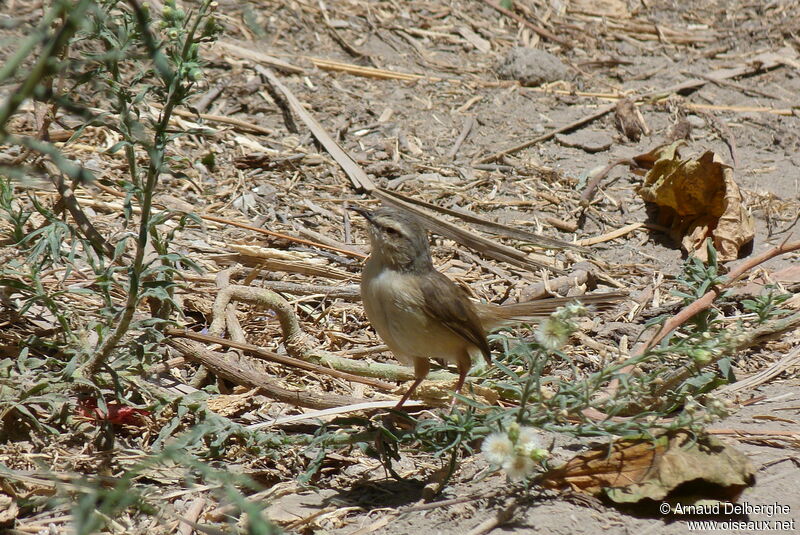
(544, 137)
(280, 359)
(357, 175)
(788, 361)
(474, 39)
(224, 119)
(258, 57)
(286, 266)
(241, 373)
(335, 411)
(588, 193)
(586, 140)
(495, 228)
(786, 112)
(560, 223)
(579, 277)
(613, 235)
(281, 235)
(469, 124)
(368, 72)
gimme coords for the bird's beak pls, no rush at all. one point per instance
(363, 211)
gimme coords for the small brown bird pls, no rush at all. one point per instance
(420, 313)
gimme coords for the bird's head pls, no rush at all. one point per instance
(397, 239)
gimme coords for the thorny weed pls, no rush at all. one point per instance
(125, 59)
(553, 393)
(106, 64)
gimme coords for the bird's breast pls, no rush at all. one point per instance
(395, 306)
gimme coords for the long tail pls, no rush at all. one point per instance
(493, 316)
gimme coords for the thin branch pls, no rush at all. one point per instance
(705, 302)
(690, 311)
(241, 373)
(280, 359)
(547, 34)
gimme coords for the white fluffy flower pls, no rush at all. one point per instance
(529, 440)
(497, 448)
(552, 333)
(519, 467)
(576, 309)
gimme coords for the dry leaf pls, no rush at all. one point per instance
(8, 510)
(230, 405)
(294, 507)
(785, 277)
(697, 199)
(634, 470)
(617, 9)
(629, 120)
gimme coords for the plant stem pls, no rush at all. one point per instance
(72, 15)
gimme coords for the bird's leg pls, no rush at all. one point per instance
(464, 363)
(422, 366)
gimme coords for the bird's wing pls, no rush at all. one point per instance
(447, 303)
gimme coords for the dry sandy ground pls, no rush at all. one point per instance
(765, 142)
(403, 134)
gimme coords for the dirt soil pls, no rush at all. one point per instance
(430, 136)
(542, 512)
(403, 133)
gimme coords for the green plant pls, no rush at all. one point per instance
(121, 63)
(767, 306)
(108, 63)
(661, 396)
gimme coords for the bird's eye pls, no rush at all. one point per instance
(391, 231)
